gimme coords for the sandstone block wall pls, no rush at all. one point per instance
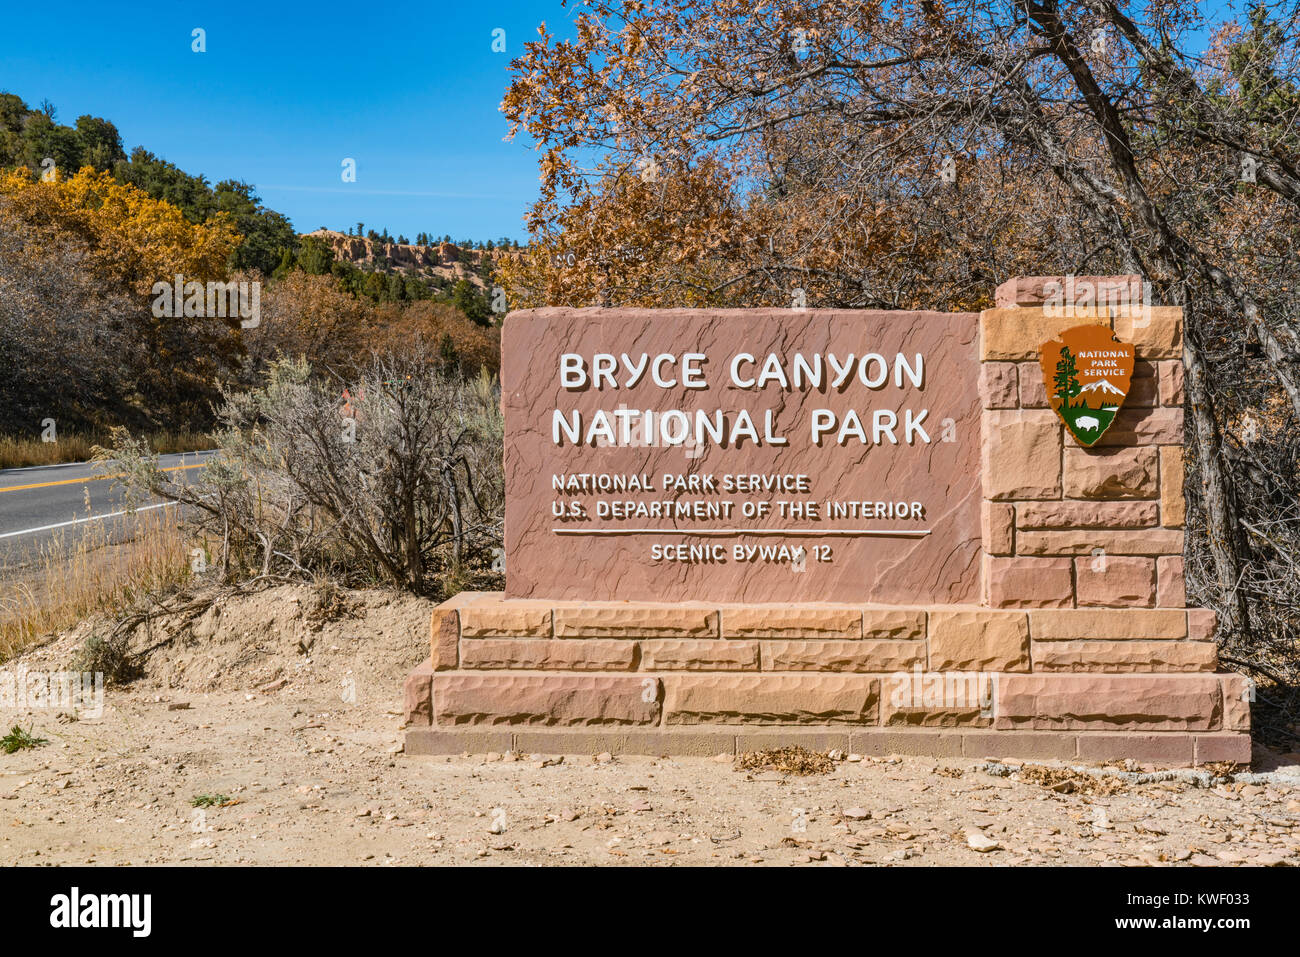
(1141, 681)
(1072, 527)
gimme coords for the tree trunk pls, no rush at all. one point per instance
(1220, 510)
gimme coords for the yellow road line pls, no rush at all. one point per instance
(95, 478)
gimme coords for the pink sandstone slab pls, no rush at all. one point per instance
(691, 654)
(548, 654)
(595, 557)
(771, 699)
(859, 656)
(1124, 656)
(1163, 702)
(558, 699)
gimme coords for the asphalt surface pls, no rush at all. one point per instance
(54, 505)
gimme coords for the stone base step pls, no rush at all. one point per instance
(1168, 749)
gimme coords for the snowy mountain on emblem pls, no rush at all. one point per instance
(1102, 385)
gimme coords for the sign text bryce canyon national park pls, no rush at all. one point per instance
(751, 456)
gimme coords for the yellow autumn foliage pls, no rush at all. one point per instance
(133, 239)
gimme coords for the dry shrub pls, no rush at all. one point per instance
(395, 477)
(458, 339)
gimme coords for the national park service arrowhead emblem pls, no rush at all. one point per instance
(1087, 372)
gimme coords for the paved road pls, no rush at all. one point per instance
(60, 503)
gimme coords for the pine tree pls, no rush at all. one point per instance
(1066, 379)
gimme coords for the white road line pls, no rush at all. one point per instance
(78, 521)
(68, 465)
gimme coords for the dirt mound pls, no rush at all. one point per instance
(239, 642)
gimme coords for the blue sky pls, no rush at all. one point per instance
(285, 92)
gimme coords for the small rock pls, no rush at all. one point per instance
(857, 814)
(977, 840)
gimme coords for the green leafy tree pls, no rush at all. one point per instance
(315, 256)
(470, 301)
(266, 233)
(101, 144)
(43, 138)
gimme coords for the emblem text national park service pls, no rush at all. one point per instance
(1087, 372)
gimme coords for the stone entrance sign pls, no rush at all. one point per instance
(742, 455)
(913, 532)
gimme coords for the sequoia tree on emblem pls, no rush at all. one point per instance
(1087, 372)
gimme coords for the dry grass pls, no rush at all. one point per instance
(22, 451)
(61, 589)
(1069, 781)
(792, 760)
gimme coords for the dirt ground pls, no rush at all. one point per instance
(281, 712)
